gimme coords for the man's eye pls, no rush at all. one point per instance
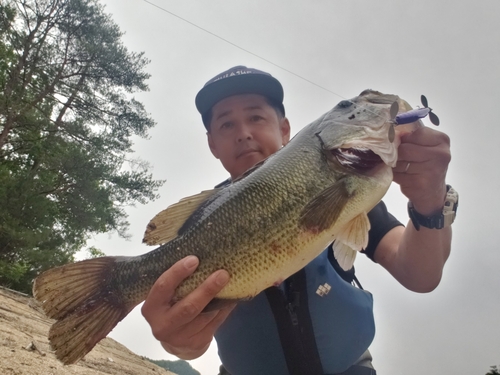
(226, 125)
(256, 118)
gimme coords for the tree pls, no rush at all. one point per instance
(67, 118)
(493, 371)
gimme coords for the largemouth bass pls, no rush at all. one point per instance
(262, 228)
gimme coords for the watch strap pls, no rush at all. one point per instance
(441, 220)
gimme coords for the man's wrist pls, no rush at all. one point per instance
(438, 220)
(433, 204)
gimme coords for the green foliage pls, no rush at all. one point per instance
(179, 367)
(493, 371)
(67, 118)
(94, 252)
(13, 271)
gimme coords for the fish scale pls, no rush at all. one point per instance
(261, 229)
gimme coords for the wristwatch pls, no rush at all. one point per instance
(444, 219)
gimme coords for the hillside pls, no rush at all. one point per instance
(24, 348)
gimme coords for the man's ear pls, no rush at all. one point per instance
(285, 131)
(212, 146)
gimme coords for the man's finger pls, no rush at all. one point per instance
(163, 289)
(426, 136)
(193, 304)
(414, 168)
(205, 324)
(220, 318)
(208, 331)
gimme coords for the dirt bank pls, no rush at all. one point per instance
(24, 348)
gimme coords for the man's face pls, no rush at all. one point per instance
(245, 130)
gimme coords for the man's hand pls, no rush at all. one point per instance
(423, 159)
(416, 258)
(182, 328)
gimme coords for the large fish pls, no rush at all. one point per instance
(262, 228)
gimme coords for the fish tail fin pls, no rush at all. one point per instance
(86, 307)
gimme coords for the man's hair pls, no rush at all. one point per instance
(278, 108)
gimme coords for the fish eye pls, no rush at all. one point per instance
(345, 104)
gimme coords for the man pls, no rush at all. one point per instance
(242, 110)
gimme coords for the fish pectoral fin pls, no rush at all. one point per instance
(352, 238)
(325, 208)
(344, 254)
(166, 224)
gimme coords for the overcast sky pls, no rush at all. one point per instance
(447, 50)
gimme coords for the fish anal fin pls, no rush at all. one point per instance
(166, 224)
(353, 237)
(325, 208)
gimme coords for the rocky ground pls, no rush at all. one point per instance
(24, 348)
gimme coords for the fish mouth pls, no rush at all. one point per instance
(357, 159)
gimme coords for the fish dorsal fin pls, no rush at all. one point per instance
(352, 238)
(325, 208)
(165, 225)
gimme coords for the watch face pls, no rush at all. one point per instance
(450, 206)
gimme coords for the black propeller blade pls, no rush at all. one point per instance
(434, 119)
(432, 116)
(423, 99)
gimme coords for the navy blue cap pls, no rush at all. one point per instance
(236, 81)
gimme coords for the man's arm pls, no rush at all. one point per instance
(416, 258)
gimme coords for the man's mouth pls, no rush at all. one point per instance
(246, 152)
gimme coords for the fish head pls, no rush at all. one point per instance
(359, 133)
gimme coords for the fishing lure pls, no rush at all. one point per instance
(414, 114)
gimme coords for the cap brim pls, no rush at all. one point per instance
(260, 84)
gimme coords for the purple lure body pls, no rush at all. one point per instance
(411, 116)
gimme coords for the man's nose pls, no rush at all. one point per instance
(244, 133)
